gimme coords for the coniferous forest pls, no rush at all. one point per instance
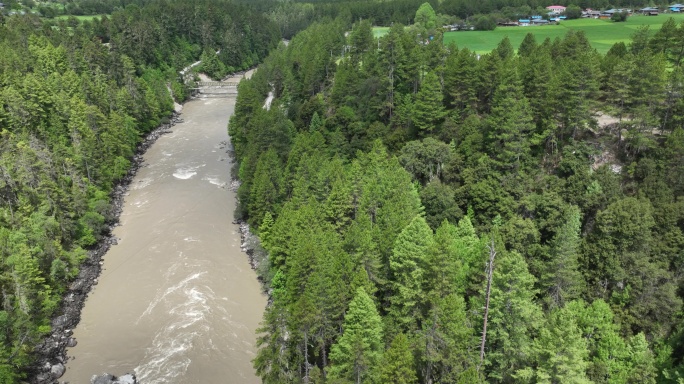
(403, 190)
(409, 197)
(75, 100)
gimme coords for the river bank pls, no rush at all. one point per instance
(176, 300)
(52, 358)
(51, 353)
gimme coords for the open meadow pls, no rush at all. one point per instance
(601, 33)
(80, 18)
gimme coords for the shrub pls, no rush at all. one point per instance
(619, 16)
(485, 23)
(573, 12)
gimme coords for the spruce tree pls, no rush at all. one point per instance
(641, 361)
(607, 350)
(445, 270)
(265, 192)
(510, 123)
(562, 277)
(356, 355)
(528, 45)
(426, 17)
(408, 270)
(561, 351)
(461, 80)
(504, 49)
(397, 363)
(447, 341)
(428, 110)
(514, 318)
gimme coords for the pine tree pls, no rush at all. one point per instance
(561, 351)
(264, 229)
(562, 277)
(504, 49)
(360, 244)
(384, 193)
(607, 350)
(445, 269)
(574, 91)
(315, 123)
(428, 110)
(489, 77)
(407, 266)
(361, 40)
(528, 46)
(426, 17)
(510, 123)
(397, 363)
(357, 353)
(646, 94)
(393, 64)
(514, 318)
(274, 361)
(665, 41)
(641, 361)
(447, 339)
(265, 192)
(536, 72)
(616, 86)
(460, 80)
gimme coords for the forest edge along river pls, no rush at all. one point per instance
(176, 300)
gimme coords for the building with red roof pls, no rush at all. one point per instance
(556, 9)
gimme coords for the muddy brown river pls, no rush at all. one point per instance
(176, 301)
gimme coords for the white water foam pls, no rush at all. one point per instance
(181, 285)
(215, 181)
(185, 173)
(187, 305)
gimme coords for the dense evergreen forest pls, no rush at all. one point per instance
(293, 16)
(75, 100)
(387, 174)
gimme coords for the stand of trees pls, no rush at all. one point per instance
(386, 172)
(72, 111)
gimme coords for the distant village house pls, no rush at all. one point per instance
(649, 11)
(556, 9)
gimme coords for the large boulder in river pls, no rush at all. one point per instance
(57, 370)
(111, 379)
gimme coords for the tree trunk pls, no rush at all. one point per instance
(306, 356)
(490, 268)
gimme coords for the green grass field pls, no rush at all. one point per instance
(380, 31)
(80, 18)
(601, 33)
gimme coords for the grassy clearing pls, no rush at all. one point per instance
(380, 31)
(80, 18)
(601, 33)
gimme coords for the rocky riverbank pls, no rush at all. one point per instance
(249, 242)
(51, 356)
